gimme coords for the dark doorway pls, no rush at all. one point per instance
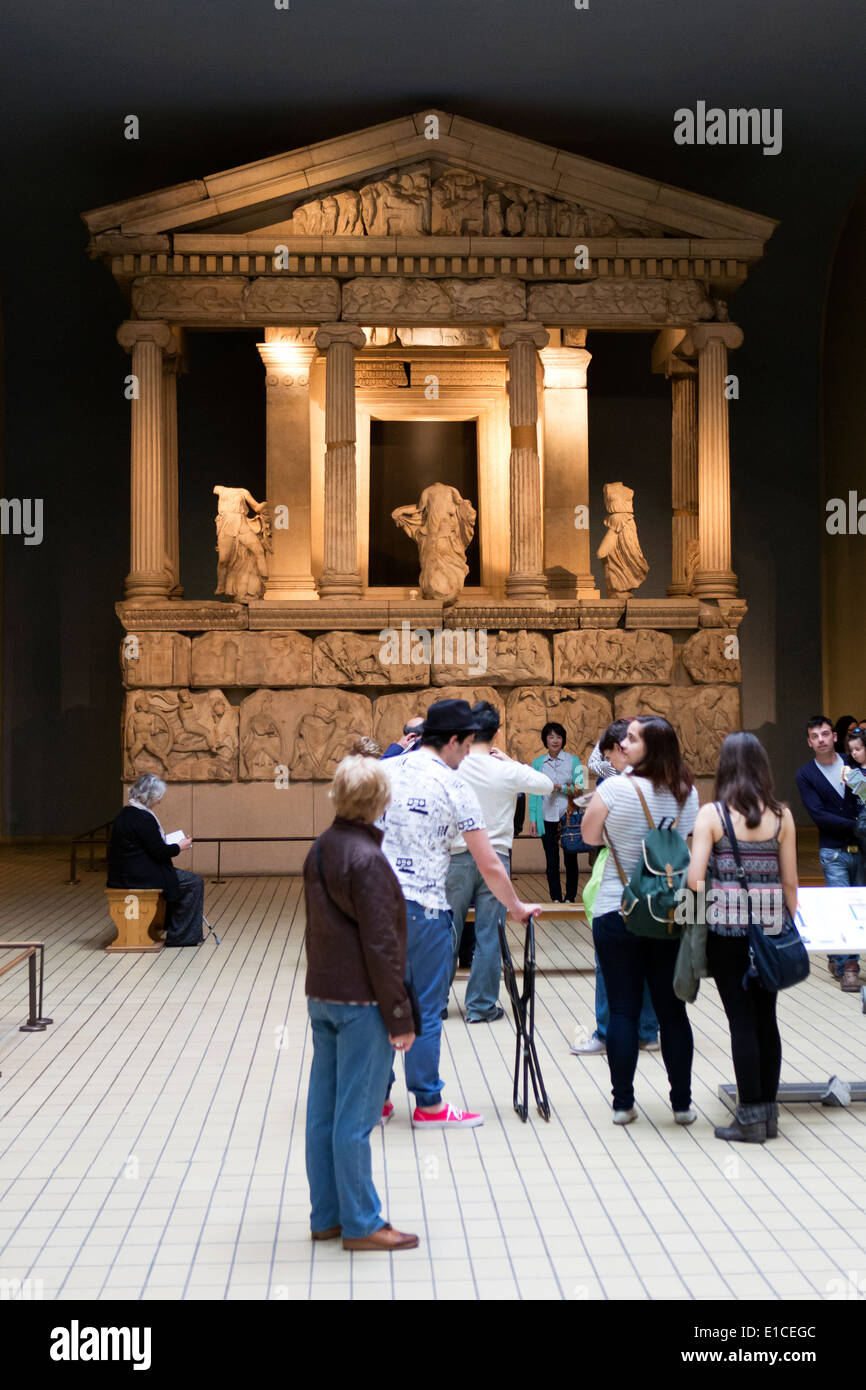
(405, 457)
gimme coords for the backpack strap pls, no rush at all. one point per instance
(646, 809)
(615, 858)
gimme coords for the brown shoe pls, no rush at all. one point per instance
(850, 981)
(331, 1233)
(386, 1238)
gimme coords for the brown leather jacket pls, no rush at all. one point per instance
(356, 950)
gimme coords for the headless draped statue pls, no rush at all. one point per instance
(443, 524)
(625, 565)
(243, 543)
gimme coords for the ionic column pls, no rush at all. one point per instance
(526, 578)
(171, 367)
(150, 579)
(340, 577)
(288, 355)
(715, 577)
(566, 472)
(684, 473)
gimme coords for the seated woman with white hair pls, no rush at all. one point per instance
(138, 857)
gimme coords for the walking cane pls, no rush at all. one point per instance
(210, 930)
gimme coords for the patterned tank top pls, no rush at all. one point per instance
(727, 910)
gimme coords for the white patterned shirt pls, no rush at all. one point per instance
(430, 807)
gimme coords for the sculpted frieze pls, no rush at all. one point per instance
(702, 716)
(354, 658)
(315, 297)
(713, 656)
(252, 658)
(583, 713)
(181, 735)
(613, 300)
(400, 299)
(499, 658)
(191, 298)
(307, 732)
(390, 712)
(612, 656)
(155, 659)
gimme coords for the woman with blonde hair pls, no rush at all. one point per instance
(358, 1006)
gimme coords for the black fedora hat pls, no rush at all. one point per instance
(450, 717)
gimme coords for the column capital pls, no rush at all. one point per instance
(701, 334)
(349, 333)
(533, 333)
(135, 331)
(565, 367)
(292, 361)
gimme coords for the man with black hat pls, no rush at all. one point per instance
(431, 807)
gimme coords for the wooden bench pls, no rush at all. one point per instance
(138, 914)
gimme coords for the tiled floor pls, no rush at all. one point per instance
(151, 1140)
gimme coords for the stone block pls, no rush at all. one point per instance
(583, 713)
(702, 715)
(180, 735)
(601, 612)
(712, 656)
(155, 659)
(307, 731)
(252, 658)
(611, 656)
(499, 658)
(664, 613)
(350, 658)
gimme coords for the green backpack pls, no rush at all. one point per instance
(650, 897)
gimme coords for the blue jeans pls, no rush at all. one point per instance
(841, 870)
(628, 963)
(429, 957)
(648, 1024)
(464, 886)
(351, 1058)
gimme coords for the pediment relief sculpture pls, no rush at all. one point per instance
(413, 201)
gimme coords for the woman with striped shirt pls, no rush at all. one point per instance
(627, 961)
(767, 842)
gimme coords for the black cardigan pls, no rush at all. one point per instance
(138, 857)
(835, 816)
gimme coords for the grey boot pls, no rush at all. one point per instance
(749, 1125)
(772, 1120)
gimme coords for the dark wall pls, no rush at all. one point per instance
(220, 85)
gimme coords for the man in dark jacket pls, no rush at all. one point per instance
(833, 807)
(139, 857)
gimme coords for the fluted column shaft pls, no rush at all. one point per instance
(149, 579)
(288, 355)
(170, 368)
(340, 577)
(684, 476)
(526, 578)
(566, 558)
(715, 577)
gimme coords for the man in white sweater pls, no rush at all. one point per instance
(497, 782)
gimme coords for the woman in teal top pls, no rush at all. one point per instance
(566, 772)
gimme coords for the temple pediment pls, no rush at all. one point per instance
(428, 175)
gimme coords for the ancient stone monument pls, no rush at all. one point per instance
(389, 280)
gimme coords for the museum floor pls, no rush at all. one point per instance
(152, 1139)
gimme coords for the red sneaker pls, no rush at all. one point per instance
(387, 1112)
(446, 1118)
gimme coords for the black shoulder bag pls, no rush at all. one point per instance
(776, 961)
(409, 987)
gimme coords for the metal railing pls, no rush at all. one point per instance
(88, 839)
(28, 951)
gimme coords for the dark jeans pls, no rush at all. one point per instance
(550, 840)
(755, 1042)
(627, 962)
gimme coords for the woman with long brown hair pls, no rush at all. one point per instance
(767, 843)
(628, 961)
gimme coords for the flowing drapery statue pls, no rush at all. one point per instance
(443, 524)
(243, 544)
(625, 565)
